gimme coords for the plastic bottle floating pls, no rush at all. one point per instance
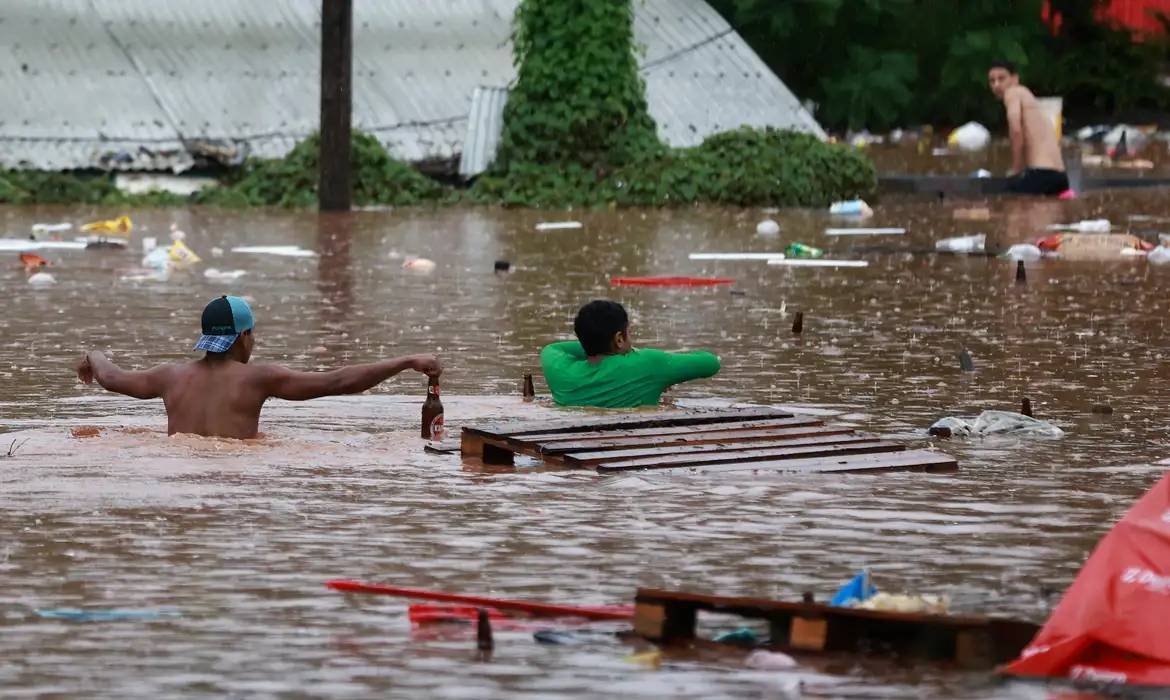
(120, 226)
(32, 261)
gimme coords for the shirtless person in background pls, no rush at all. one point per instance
(221, 394)
(1037, 167)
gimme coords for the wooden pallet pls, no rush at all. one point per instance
(710, 441)
(967, 640)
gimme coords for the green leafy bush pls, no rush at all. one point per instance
(577, 131)
(292, 181)
(42, 187)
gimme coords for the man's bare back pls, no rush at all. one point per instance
(1041, 148)
(221, 395)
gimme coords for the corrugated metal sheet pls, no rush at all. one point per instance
(131, 83)
(485, 123)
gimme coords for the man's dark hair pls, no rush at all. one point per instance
(596, 324)
(1006, 65)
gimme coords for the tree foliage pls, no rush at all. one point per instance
(884, 63)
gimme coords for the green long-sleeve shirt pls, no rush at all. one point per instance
(637, 378)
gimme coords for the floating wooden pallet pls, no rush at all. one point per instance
(722, 440)
(968, 640)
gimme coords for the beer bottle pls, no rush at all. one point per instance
(432, 412)
(529, 390)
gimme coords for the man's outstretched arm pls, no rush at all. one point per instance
(284, 383)
(1015, 118)
(147, 384)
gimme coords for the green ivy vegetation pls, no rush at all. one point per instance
(291, 181)
(883, 63)
(41, 187)
(577, 131)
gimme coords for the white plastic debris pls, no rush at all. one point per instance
(767, 227)
(157, 259)
(217, 275)
(23, 245)
(1159, 255)
(962, 244)
(765, 660)
(148, 244)
(1085, 226)
(41, 279)
(420, 265)
(557, 225)
(969, 137)
(891, 231)
(43, 229)
(998, 423)
(142, 183)
(817, 262)
(852, 207)
(1023, 251)
(906, 603)
(736, 256)
(290, 251)
(216, 252)
(981, 174)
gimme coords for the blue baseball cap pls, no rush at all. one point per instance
(224, 319)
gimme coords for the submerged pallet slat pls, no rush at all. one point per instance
(755, 456)
(664, 430)
(725, 440)
(629, 421)
(831, 436)
(968, 640)
(904, 460)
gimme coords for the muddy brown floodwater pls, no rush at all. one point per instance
(236, 538)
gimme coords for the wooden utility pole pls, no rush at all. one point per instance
(334, 189)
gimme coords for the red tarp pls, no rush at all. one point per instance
(1113, 624)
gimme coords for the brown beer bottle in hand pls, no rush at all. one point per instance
(432, 412)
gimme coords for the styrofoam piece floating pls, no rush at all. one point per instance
(290, 251)
(21, 245)
(865, 231)
(42, 279)
(558, 225)
(768, 227)
(218, 275)
(736, 256)
(818, 262)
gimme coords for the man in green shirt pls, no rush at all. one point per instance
(605, 370)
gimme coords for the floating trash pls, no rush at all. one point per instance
(290, 251)
(217, 275)
(121, 226)
(1023, 251)
(823, 262)
(858, 231)
(42, 279)
(962, 244)
(558, 225)
(114, 615)
(43, 229)
(970, 137)
(768, 227)
(997, 423)
(853, 207)
(736, 256)
(764, 660)
(420, 265)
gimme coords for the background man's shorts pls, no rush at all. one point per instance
(1039, 181)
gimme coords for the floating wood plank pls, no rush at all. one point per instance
(969, 640)
(831, 436)
(795, 422)
(757, 457)
(698, 437)
(911, 460)
(629, 421)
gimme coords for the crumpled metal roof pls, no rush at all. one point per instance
(148, 85)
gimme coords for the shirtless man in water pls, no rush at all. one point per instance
(1037, 166)
(221, 394)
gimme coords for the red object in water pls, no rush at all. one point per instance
(1050, 243)
(669, 281)
(1111, 625)
(32, 261)
(423, 614)
(591, 612)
